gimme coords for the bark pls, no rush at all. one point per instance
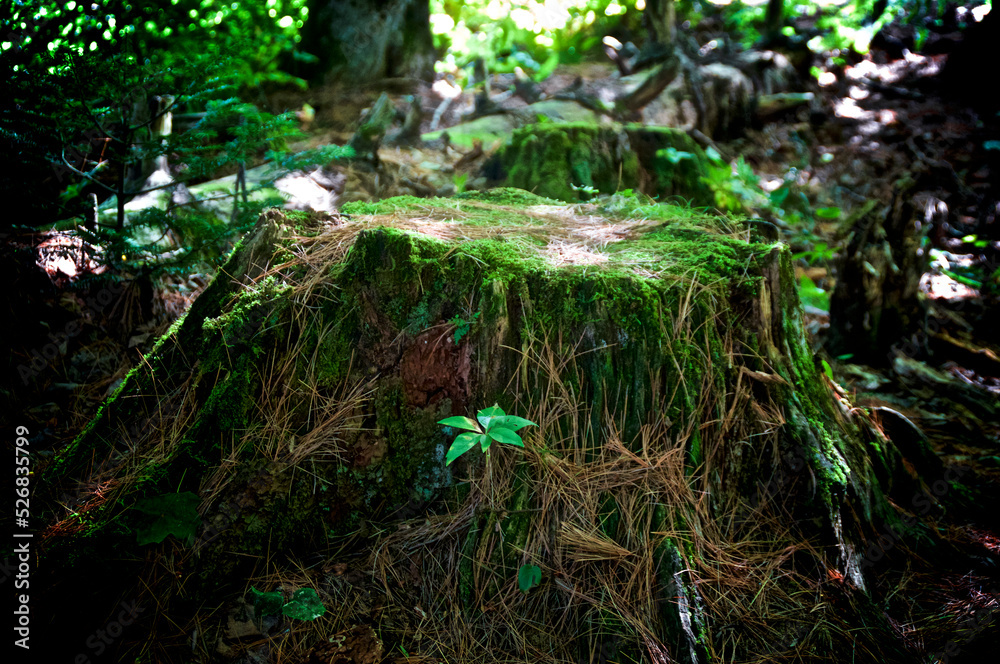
(875, 304)
(660, 18)
(360, 41)
(774, 19)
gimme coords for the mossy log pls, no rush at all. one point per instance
(571, 161)
(686, 446)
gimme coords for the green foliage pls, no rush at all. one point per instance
(462, 326)
(78, 70)
(827, 369)
(735, 187)
(459, 180)
(304, 605)
(842, 25)
(585, 191)
(103, 100)
(820, 253)
(169, 514)
(267, 603)
(673, 155)
(526, 34)
(812, 295)
(492, 425)
(528, 576)
(254, 38)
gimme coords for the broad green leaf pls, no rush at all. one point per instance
(463, 443)
(512, 422)
(828, 212)
(267, 604)
(813, 295)
(460, 422)
(304, 605)
(528, 577)
(673, 155)
(485, 442)
(503, 435)
(173, 514)
(487, 414)
(779, 195)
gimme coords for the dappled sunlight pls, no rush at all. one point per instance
(64, 255)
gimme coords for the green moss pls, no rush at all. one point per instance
(561, 160)
(506, 196)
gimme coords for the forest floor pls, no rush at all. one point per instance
(877, 123)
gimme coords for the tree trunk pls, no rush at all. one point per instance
(773, 20)
(876, 305)
(660, 18)
(360, 41)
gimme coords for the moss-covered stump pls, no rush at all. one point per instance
(571, 161)
(284, 436)
(877, 306)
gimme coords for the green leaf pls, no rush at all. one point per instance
(485, 442)
(504, 435)
(304, 605)
(828, 212)
(673, 155)
(827, 369)
(463, 443)
(460, 422)
(486, 414)
(528, 577)
(267, 604)
(512, 422)
(175, 514)
(813, 295)
(778, 196)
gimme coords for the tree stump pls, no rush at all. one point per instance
(691, 485)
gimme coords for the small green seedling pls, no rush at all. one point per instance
(462, 326)
(493, 424)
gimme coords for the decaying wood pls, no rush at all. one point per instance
(652, 86)
(366, 140)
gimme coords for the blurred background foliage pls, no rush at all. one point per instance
(75, 68)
